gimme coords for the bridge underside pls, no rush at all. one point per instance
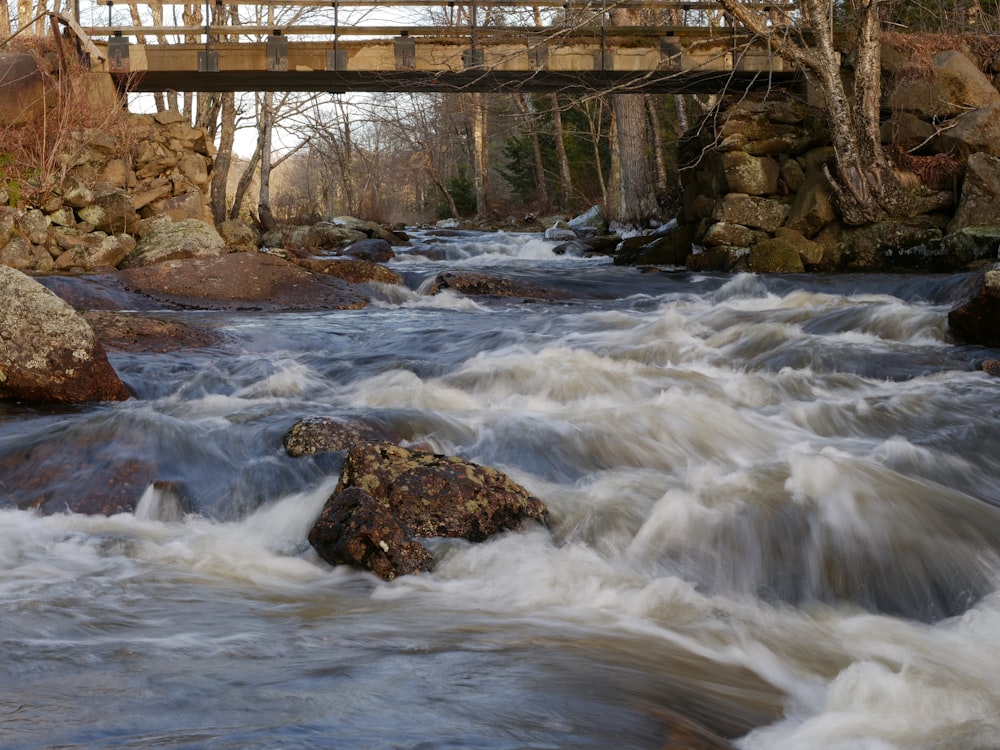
(578, 83)
(653, 63)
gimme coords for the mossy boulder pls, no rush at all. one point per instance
(48, 352)
(388, 495)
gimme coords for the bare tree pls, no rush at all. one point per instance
(867, 187)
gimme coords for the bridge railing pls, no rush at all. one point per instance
(415, 18)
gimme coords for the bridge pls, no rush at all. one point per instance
(570, 46)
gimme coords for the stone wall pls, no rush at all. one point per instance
(112, 185)
(757, 197)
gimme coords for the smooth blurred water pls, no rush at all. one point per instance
(774, 510)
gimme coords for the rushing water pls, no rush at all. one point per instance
(774, 511)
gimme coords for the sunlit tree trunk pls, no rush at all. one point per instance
(266, 131)
(224, 156)
(4, 19)
(480, 152)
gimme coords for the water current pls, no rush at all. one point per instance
(774, 510)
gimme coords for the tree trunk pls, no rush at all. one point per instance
(523, 102)
(4, 19)
(636, 200)
(224, 157)
(266, 130)
(565, 176)
(243, 186)
(660, 157)
(480, 152)
(636, 203)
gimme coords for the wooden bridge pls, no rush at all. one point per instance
(435, 45)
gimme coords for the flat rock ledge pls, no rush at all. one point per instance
(241, 281)
(388, 497)
(48, 352)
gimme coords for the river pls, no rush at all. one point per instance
(774, 508)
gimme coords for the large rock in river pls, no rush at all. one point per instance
(388, 494)
(48, 352)
(173, 240)
(242, 281)
(977, 318)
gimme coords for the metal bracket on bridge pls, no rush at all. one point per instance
(118, 54)
(538, 56)
(277, 52)
(405, 50)
(671, 51)
(473, 59)
(336, 59)
(604, 59)
(208, 61)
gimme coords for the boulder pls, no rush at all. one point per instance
(356, 529)
(722, 234)
(955, 85)
(813, 208)
(95, 250)
(374, 250)
(239, 236)
(241, 281)
(775, 256)
(980, 198)
(810, 252)
(753, 175)
(48, 352)
(188, 205)
(669, 246)
(20, 254)
(894, 244)
(906, 130)
(976, 319)
(751, 211)
(590, 222)
(975, 131)
(172, 240)
(387, 495)
(112, 213)
(559, 234)
(328, 434)
(352, 270)
(370, 229)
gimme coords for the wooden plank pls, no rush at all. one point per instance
(85, 40)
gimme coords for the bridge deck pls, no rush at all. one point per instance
(578, 51)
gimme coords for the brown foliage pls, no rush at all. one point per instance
(36, 157)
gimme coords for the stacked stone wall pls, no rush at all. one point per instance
(112, 186)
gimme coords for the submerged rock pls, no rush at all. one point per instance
(353, 270)
(79, 475)
(388, 494)
(324, 434)
(48, 352)
(373, 250)
(488, 285)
